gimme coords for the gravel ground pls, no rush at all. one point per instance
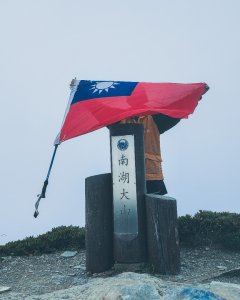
(42, 274)
(35, 275)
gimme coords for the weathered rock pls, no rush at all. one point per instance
(222, 268)
(125, 286)
(229, 291)
(133, 286)
(69, 254)
(79, 267)
(4, 289)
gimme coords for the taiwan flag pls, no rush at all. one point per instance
(95, 104)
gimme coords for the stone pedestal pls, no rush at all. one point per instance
(99, 223)
(162, 232)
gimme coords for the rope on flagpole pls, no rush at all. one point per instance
(44, 188)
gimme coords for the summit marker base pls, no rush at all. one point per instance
(162, 233)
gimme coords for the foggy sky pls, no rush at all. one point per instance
(44, 44)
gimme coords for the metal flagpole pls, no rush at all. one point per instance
(43, 192)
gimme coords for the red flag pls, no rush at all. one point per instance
(95, 104)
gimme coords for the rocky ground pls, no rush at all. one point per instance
(36, 275)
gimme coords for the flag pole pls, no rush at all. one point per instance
(44, 188)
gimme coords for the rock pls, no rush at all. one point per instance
(222, 268)
(68, 254)
(133, 286)
(127, 285)
(79, 267)
(139, 291)
(229, 291)
(4, 289)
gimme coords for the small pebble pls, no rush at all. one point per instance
(222, 268)
(4, 289)
(79, 267)
(68, 254)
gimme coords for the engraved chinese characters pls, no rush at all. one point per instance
(124, 185)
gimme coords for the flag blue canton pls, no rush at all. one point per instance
(87, 89)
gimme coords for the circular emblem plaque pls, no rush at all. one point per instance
(122, 144)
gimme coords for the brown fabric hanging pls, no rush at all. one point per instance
(153, 158)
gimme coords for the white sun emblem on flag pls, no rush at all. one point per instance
(101, 86)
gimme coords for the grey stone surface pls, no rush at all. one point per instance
(4, 289)
(139, 292)
(67, 254)
(79, 267)
(222, 268)
(133, 286)
(229, 291)
(126, 286)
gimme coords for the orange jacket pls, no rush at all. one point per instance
(153, 158)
